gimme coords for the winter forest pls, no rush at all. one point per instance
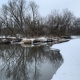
(19, 17)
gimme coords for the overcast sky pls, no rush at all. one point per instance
(46, 6)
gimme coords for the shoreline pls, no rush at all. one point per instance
(32, 41)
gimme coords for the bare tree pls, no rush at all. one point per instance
(58, 24)
(34, 9)
(19, 18)
(75, 29)
(68, 19)
(34, 17)
(14, 15)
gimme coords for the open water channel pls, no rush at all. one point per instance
(28, 63)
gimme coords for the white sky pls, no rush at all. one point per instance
(46, 6)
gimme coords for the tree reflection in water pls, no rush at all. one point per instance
(24, 63)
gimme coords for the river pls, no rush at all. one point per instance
(25, 62)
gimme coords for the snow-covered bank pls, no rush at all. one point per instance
(71, 55)
(75, 37)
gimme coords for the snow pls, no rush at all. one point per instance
(70, 69)
(32, 39)
(7, 37)
(43, 38)
(74, 37)
(2, 36)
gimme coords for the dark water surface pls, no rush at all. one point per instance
(28, 63)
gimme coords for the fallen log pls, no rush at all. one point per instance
(61, 41)
(66, 37)
(37, 41)
(5, 42)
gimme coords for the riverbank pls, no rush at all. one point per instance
(70, 52)
(32, 41)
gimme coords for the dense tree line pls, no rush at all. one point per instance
(19, 17)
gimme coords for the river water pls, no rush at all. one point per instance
(20, 62)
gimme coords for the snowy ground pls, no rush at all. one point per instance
(70, 69)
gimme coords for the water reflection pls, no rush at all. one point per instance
(26, 63)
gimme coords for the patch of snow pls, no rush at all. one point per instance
(70, 51)
(74, 37)
(24, 38)
(21, 42)
(43, 38)
(13, 37)
(28, 39)
(32, 39)
(7, 37)
(2, 37)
